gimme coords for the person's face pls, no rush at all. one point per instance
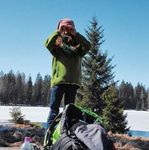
(66, 30)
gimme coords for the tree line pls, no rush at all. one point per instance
(134, 97)
(15, 89)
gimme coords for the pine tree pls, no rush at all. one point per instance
(141, 97)
(10, 84)
(29, 90)
(45, 90)
(97, 92)
(97, 71)
(37, 90)
(113, 113)
(19, 88)
(4, 89)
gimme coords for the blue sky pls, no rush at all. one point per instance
(26, 24)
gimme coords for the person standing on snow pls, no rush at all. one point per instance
(67, 47)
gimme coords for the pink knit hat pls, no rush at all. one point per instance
(67, 23)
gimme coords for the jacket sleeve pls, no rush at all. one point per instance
(50, 44)
(56, 50)
(85, 44)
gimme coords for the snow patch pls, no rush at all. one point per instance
(137, 120)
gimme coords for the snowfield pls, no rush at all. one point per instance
(34, 114)
(137, 120)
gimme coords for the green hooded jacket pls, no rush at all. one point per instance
(66, 64)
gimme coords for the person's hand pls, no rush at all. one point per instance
(58, 41)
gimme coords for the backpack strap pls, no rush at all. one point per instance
(50, 131)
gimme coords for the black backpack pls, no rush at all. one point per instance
(64, 127)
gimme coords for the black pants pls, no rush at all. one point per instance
(56, 94)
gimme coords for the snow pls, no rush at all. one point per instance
(137, 120)
(34, 114)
